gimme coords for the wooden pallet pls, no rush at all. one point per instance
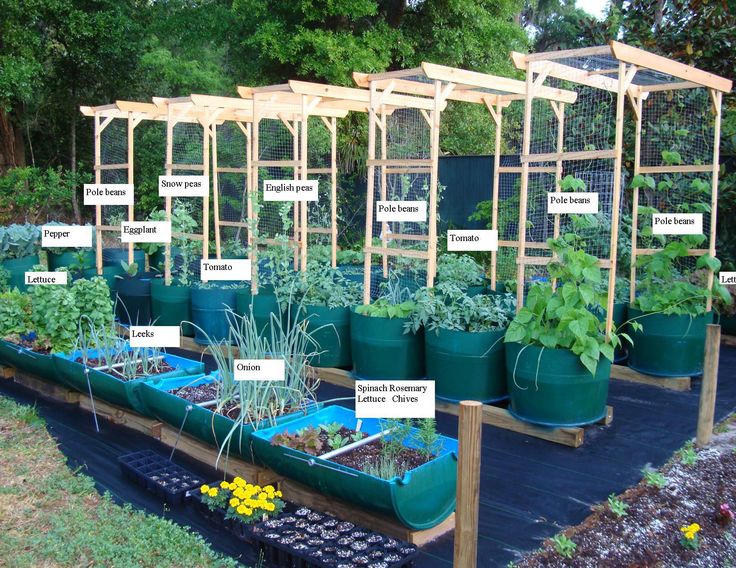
(492, 415)
(623, 373)
(207, 455)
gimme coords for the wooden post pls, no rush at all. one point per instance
(470, 428)
(383, 188)
(169, 169)
(212, 131)
(524, 189)
(297, 204)
(433, 182)
(304, 205)
(98, 208)
(254, 199)
(498, 120)
(333, 194)
(559, 109)
(716, 98)
(635, 201)
(131, 207)
(706, 408)
(369, 204)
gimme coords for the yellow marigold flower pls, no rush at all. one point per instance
(262, 496)
(239, 493)
(239, 481)
(212, 492)
(232, 487)
(257, 488)
(204, 488)
(248, 512)
(270, 506)
(269, 489)
(242, 509)
(278, 494)
(234, 502)
(224, 484)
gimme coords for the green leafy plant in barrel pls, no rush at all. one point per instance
(563, 318)
(462, 270)
(395, 300)
(19, 241)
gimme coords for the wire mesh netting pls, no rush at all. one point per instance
(231, 158)
(114, 151)
(407, 137)
(677, 130)
(319, 213)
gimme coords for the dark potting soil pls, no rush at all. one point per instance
(201, 393)
(163, 367)
(362, 457)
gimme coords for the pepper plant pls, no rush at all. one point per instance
(563, 318)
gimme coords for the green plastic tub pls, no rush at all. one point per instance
(668, 346)
(381, 350)
(67, 259)
(264, 304)
(170, 305)
(466, 365)
(210, 313)
(330, 328)
(112, 389)
(201, 423)
(17, 268)
(28, 361)
(551, 387)
(157, 260)
(114, 256)
(421, 499)
(133, 306)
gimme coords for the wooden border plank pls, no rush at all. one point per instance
(623, 373)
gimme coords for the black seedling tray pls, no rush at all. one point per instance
(308, 539)
(159, 475)
(237, 528)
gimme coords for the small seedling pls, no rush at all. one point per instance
(331, 429)
(687, 454)
(337, 441)
(654, 478)
(617, 506)
(564, 546)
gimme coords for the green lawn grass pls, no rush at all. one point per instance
(53, 516)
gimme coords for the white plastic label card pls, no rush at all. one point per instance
(36, 278)
(291, 190)
(155, 336)
(476, 240)
(727, 278)
(76, 236)
(108, 194)
(145, 232)
(226, 269)
(394, 399)
(572, 203)
(259, 369)
(677, 223)
(183, 186)
(415, 211)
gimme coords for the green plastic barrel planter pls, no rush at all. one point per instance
(551, 387)
(381, 350)
(210, 313)
(421, 499)
(114, 256)
(243, 301)
(330, 329)
(156, 261)
(170, 305)
(264, 304)
(466, 365)
(17, 268)
(201, 423)
(134, 298)
(668, 346)
(620, 315)
(728, 325)
(28, 361)
(112, 389)
(67, 259)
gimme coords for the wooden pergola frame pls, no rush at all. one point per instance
(621, 80)
(293, 104)
(133, 113)
(430, 95)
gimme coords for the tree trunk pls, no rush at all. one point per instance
(73, 166)
(7, 143)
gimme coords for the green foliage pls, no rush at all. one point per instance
(654, 478)
(564, 546)
(92, 298)
(447, 307)
(337, 441)
(617, 505)
(662, 287)
(332, 428)
(395, 301)
(563, 318)
(15, 313)
(572, 183)
(55, 315)
(687, 454)
(18, 241)
(307, 440)
(319, 286)
(459, 269)
(429, 440)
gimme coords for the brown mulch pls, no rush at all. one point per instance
(649, 535)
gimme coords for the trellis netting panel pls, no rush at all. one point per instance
(321, 166)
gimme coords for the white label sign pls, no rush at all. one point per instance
(401, 211)
(259, 369)
(574, 203)
(145, 232)
(227, 269)
(727, 278)
(394, 399)
(35, 278)
(155, 336)
(55, 236)
(677, 224)
(183, 186)
(480, 240)
(291, 190)
(108, 194)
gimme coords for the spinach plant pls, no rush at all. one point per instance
(563, 318)
(448, 307)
